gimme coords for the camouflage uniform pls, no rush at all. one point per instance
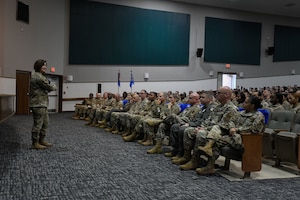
(266, 103)
(118, 108)
(92, 114)
(286, 105)
(39, 89)
(184, 117)
(81, 110)
(251, 122)
(275, 107)
(160, 112)
(86, 110)
(224, 117)
(296, 109)
(114, 116)
(123, 118)
(217, 124)
(143, 111)
(105, 108)
(178, 136)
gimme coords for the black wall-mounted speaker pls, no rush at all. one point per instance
(99, 88)
(199, 52)
(270, 51)
(22, 12)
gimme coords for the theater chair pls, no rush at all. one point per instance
(251, 158)
(281, 120)
(287, 145)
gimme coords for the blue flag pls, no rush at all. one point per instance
(119, 76)
(131, 80)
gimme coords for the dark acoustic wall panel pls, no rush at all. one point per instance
(232, 41)
(286, 43)
(107, 34)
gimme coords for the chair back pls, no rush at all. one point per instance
(296, 128)
(282, 119)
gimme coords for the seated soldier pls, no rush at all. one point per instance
(220, 120)
(249, 120)
(150, 127)
(120, 117)
(184, 117)
(129, 120)
(276, 102)
(111, 116)
(81, 109)
(93, 115)
(92, 111)
(107, 105)
(294, 100)
(150, 110)
(178, 131)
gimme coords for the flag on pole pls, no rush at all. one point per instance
(119, 81)
(131, 80)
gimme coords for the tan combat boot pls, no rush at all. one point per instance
(108, 129)
(36, 145)
(130, 138)
(44, 143)
(176, 157)
(102, 122)
(144, 139)
(169, 154)
(208, 170)
(76, 117)
(148, 142)
(192, 164)
(184, 159)
(157, 148)
(207, 149)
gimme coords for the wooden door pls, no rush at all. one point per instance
(22, 92)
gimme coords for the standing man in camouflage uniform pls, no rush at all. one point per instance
(39, 89)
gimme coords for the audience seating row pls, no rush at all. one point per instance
(287, 145)
(281, 137)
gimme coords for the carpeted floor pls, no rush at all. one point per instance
(287, 170)
(88, 163)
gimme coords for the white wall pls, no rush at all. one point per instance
(7, 86)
